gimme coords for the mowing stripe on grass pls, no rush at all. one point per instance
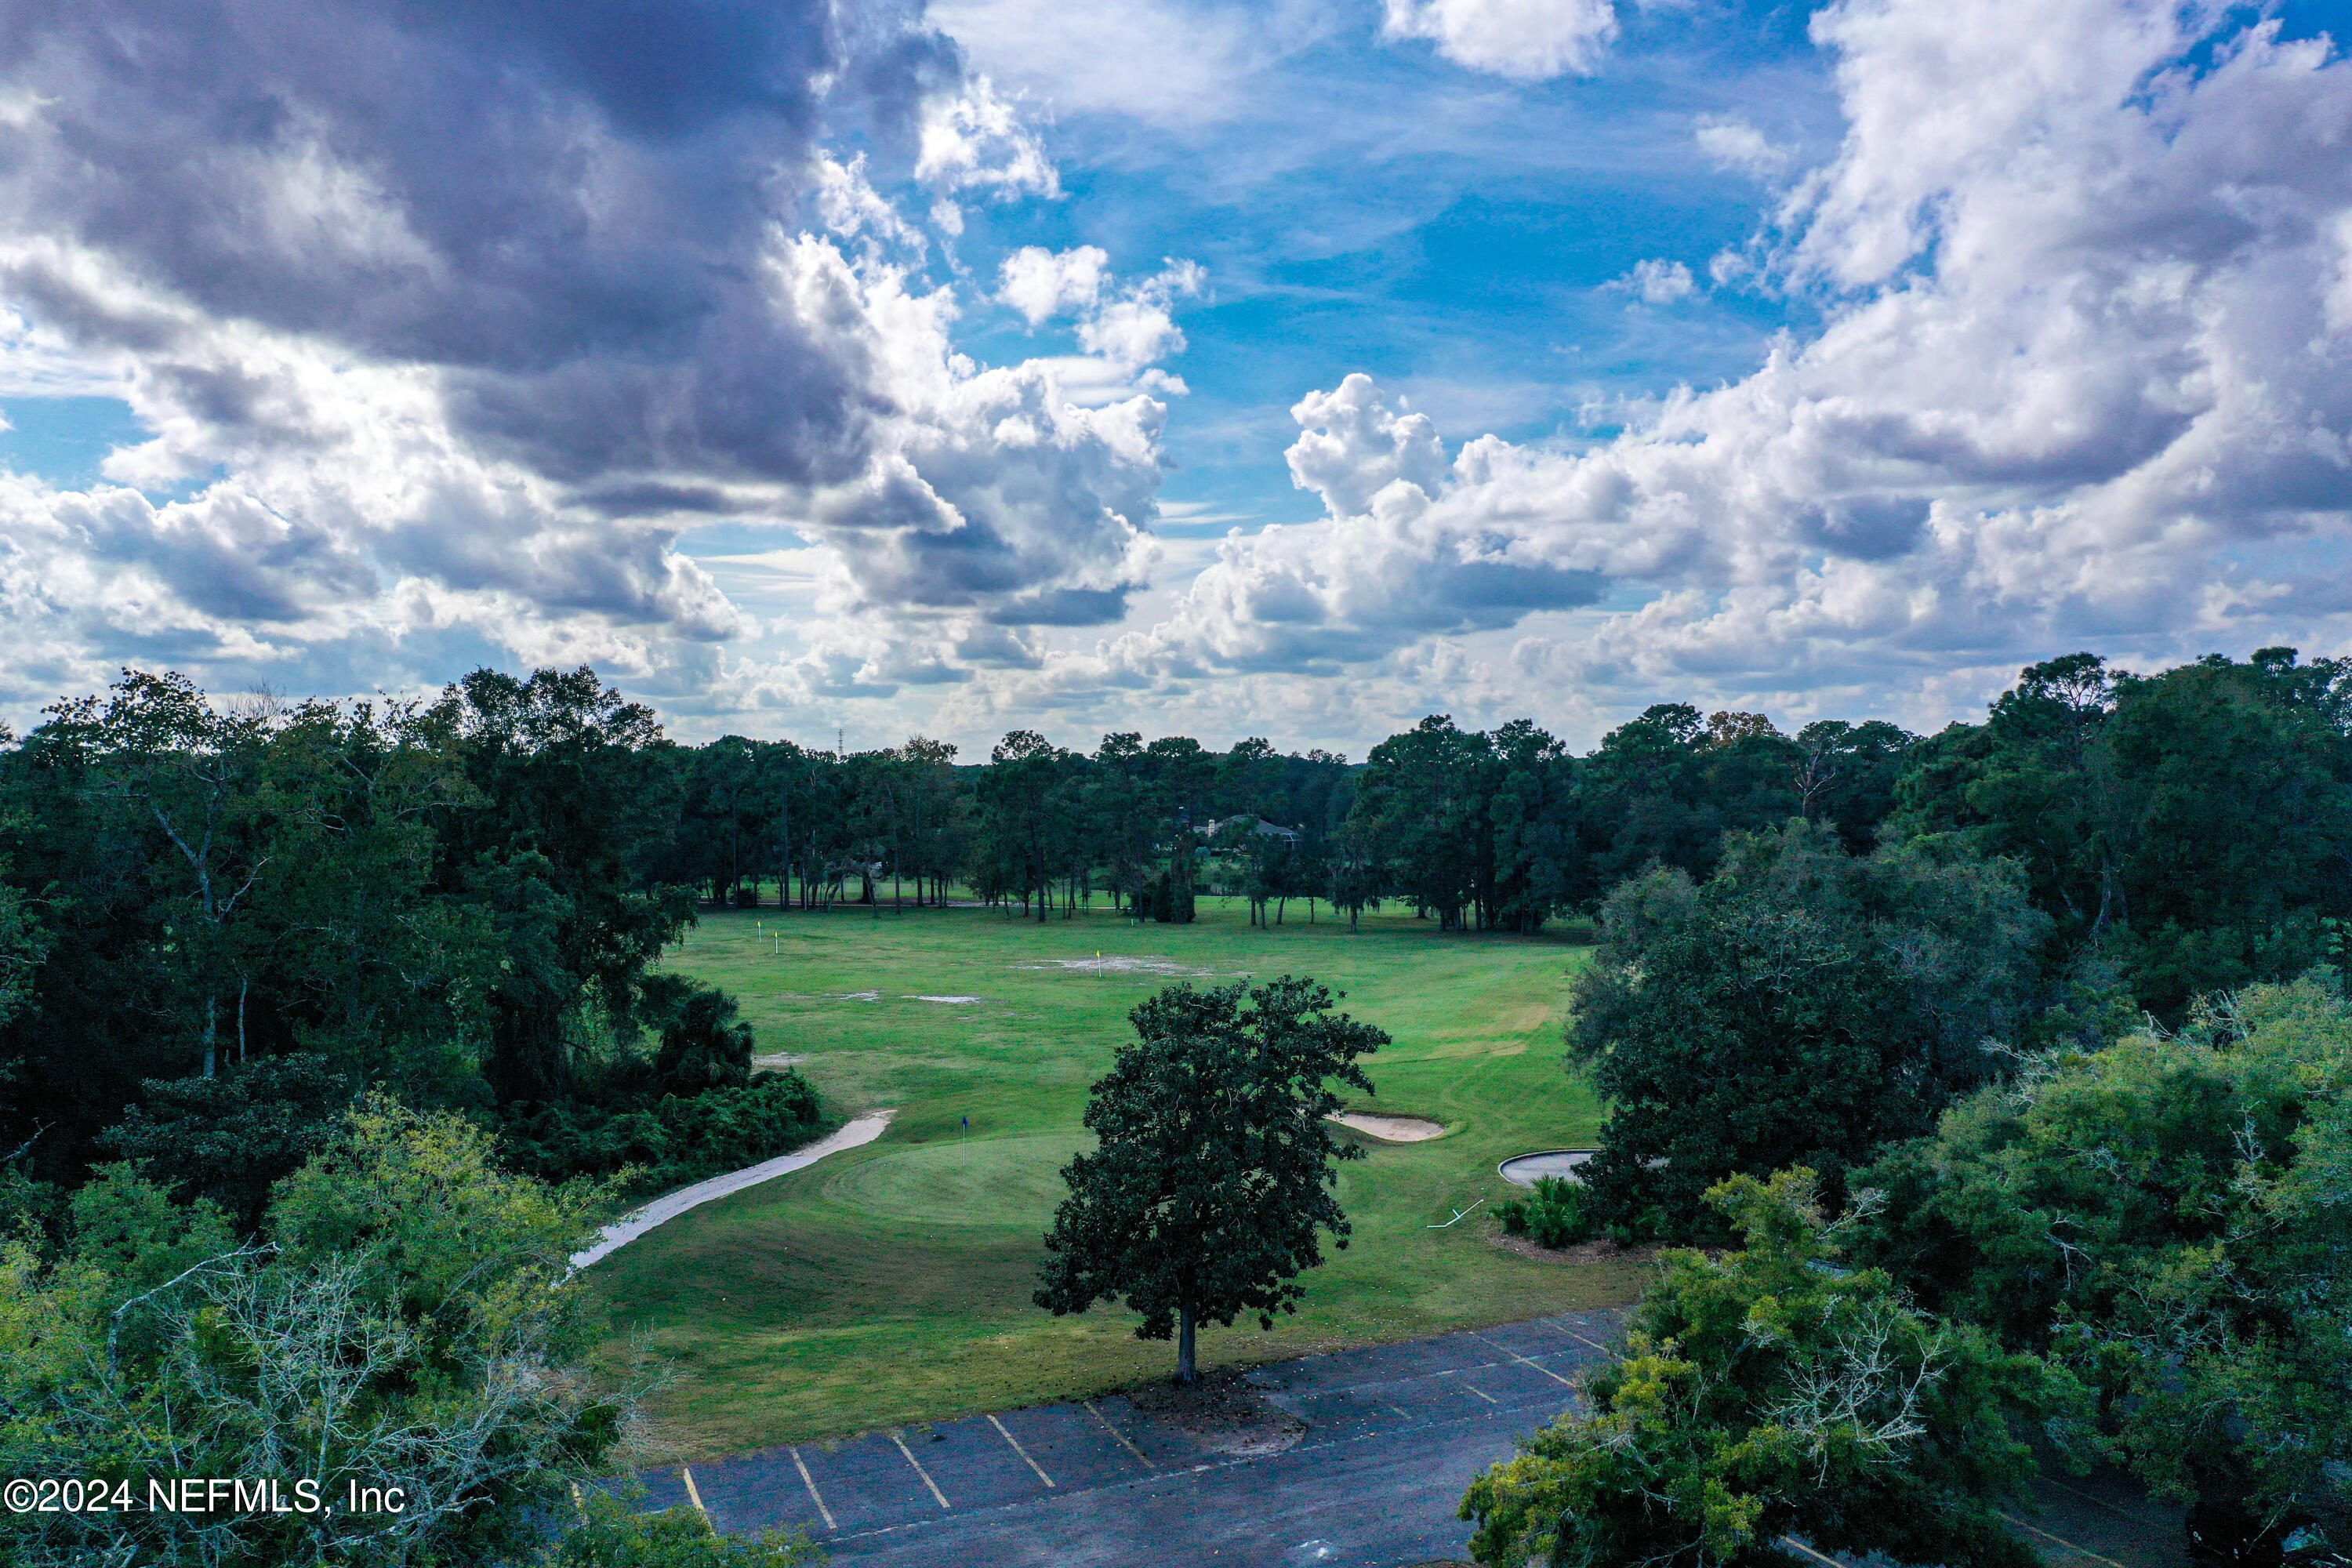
(1117, 1434)
(815, 1496)
(1017, 1449)
(1517, 1356)
(688, 1476)
(918, 1468)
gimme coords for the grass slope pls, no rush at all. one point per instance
(891, 1283)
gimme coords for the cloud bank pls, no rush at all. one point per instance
(2087, 270)
(452, 323)
(449, 319)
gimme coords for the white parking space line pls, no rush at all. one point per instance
(815, 1496)
(1017, 1449)
(1116, 1433)
(1526, 1359)
(1480, 1392)
(918, 1468)
(691, 1492)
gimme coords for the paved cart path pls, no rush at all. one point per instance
(1395, 1434)
(669, 1205)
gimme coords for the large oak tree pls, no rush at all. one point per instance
(1213, 1183)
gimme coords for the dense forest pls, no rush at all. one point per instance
(265, 966)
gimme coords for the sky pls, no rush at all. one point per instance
(1294, 368)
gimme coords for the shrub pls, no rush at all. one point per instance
(703, 1044)
(1557, 1215)
(666, 1142)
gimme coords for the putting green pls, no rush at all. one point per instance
(1010, 1183)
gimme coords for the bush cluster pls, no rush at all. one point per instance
(666, 1142)
(1557, 1215)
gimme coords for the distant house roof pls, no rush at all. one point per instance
(1262, 826)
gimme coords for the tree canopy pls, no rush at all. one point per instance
(2166, 1214)
(2195, 824)
(393, 1328)
(1770, 1392)
(1210, 1184)
(1802, 1007)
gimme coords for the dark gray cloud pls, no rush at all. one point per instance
(448, 319)
(563, 205)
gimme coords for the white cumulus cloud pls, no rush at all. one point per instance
(975, 139)
(1733, 144)
(1659, 282)
(1525, 41)
(2086, 377)
(1042, 284)
(1126, 327)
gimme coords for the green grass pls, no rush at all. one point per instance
(891, 1284)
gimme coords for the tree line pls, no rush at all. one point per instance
(463, 898)
(1502, 830)
(223, 919)
(2187, 826)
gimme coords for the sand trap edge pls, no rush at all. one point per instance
(1370, 1124)
(1567, 1170)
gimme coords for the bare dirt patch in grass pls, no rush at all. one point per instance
(1582, 1252)
(1224, 1412)
(1120, 964)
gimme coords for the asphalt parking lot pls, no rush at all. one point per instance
(1394, 1434)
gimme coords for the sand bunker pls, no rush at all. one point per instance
(941, 999)
(1391, 1129)
(781, 1059)
(1522, 1170)
(1117, 965)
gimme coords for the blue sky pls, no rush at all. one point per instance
(1369, 206)
(936, 371)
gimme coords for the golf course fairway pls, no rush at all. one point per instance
(891, 1283)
